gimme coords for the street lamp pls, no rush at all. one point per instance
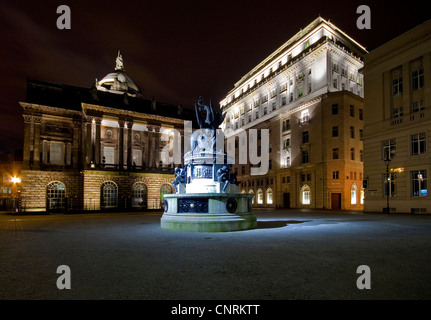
(388, 186)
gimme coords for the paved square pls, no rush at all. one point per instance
(292, 254)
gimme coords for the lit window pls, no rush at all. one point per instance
(56, 195)
(305, 116)
(139, 192)
(353, 194)
(419, 183)
(269, 196)
(109, 194)
(259, 196)
(306, 195)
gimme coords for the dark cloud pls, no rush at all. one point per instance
(175, 51)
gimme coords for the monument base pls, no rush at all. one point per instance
(208, 212)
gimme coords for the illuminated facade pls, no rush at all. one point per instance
(309, 94)
(97, 148)
(398, 123)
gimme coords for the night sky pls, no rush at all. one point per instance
(175, 51)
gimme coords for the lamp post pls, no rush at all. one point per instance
(388, 186)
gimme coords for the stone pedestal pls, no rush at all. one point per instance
(208, 212)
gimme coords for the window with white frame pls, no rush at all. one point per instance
(306, 195)
(418, 143)
(419, 183)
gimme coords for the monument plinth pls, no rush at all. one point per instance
(207, 197)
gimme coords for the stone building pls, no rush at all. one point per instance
(104, 147)
(309, 95)
(398, 123)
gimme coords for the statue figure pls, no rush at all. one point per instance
(119, 66)
(212, 120)
(180, 177)
(223, 176)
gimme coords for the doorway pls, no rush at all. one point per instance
(286, 200)
(335, 201)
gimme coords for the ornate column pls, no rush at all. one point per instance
(97, 142)
(37, 119)
(121, 144)
(129, 144)
(77, 138)
(157, 145)
(28, 146)
(88, 146)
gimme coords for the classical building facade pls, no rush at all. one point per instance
(398, 123)
(309, 95)
(97, 148)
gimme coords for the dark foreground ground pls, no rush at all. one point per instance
(291, 255)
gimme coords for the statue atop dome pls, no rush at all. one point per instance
(119, 65)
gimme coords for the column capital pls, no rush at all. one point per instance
(121, 123)
(37, 119)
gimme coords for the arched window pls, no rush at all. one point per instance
(56, 195)
(259, 196)
(109, 195)
(305, 195)
(362, 195)
(139, 195)
(251, 192)
(353, 194)
(165, 189)
(269, 196)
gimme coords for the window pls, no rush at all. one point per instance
(165, 189)
(397, 86)
(352, 132)
(274, 106)
(335, 109)
(397, 112)
(335, 83)
(361, 155)
(418, 143)
(137, 157)
(417, 79)
(251, 192)
(335, 131)
(286, 125)
(388, 149)
(419, 183)
(361, 114)
(269, 196)
(56, 154)
(361, 134)
(109, 194)
(305, 157)
(389, 185)
(305, 137)
(305, 195)
(335, 153)
(353, 195)
(283, 101)
(300, 92)
(259, 196)
(335, 174)
(305, 116)
(56, 195)
(286, 143)
(352, 110)
(139, 195)
(418, 106)
(242, 169)
(352, 154)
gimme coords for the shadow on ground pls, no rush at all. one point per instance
(277, 224)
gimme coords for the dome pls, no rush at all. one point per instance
(118, 82)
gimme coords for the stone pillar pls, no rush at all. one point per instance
(121, 144)
(129, 144)
(36, 147)
(157, 146)
(97, 142)
(77, 138)
(28, 123)
(88, 155)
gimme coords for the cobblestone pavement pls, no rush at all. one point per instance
(292, 254)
